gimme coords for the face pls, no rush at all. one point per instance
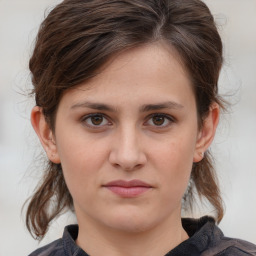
(127, 139)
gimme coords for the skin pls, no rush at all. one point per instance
(125, 142)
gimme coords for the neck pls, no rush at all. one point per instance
(159, 240)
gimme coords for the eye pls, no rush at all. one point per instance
(160, 120)
(95, 120)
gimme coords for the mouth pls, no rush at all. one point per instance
(128, 189)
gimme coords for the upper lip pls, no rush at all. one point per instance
(127, 184)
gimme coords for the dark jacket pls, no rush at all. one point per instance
(206, 239)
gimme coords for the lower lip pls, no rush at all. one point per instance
(128, 191)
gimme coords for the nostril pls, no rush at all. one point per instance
(127, 162)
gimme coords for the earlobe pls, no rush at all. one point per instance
(44, 134)
(207, 132)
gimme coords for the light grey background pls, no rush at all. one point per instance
(234, 147)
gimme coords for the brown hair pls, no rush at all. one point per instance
(79, 36)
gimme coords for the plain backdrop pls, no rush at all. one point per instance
(234, 146)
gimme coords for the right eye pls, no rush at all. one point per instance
(95, 120)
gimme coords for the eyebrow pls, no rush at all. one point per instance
(143, 108)
(164, 105)
(96, 106)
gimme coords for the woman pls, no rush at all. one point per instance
(127, 106)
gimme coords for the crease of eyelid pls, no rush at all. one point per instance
(143, 108)
(168, 118)
(85, 118)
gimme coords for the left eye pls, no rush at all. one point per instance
(95, 120)
(159, 120)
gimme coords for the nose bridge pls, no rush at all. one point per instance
(127, 151)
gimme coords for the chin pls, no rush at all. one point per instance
(132, 226)
(131, 222)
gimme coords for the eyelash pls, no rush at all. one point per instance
(93, 126)
(166, 117)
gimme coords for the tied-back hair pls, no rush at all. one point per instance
(79, 36)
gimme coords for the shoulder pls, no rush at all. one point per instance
(53, 249)
(206, 239)
(65, 246)
(231, 246)
(220, 245)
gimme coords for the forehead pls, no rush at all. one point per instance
(138, 74)
(148, 60)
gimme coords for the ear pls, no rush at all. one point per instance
(207, 132)
(44, 134)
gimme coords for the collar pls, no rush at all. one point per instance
(203, 234)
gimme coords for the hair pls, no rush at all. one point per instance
(79, 36)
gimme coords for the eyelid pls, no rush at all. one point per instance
(86, 117)
(170, 118)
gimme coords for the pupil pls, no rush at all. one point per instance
(96, 120)
(158, 120)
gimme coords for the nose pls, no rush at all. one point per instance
(127, 150)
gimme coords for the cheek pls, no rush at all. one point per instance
(78, 151)
(175, 154)
(81, 164)
(175, 165)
